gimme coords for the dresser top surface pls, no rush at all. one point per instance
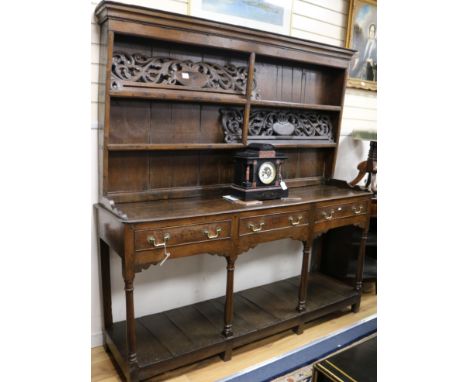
(202, 206)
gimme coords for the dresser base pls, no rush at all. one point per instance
(185, 335)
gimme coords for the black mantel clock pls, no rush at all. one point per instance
(257, 173)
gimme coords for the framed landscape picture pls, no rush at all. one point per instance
(362, 36)
(269, 15)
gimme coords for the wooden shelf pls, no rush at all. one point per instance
(174, 146)
(309, 145)
(184, 95)
(194, 332)
(295, 105)
(206, 146)
(179, 95)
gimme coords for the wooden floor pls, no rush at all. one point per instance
(214, 368)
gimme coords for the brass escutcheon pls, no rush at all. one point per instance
(291, 220)
(152, 241)
(213, 235)
(256, 229)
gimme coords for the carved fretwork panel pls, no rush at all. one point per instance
(266, 124)
(138, 68)
(231, 122)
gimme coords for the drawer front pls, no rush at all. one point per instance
(274, 221)
(181, 235)
(340, 211)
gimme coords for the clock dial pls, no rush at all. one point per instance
(267, 172)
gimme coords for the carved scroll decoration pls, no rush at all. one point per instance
(277, 124)
(168, 71)
(232, 121)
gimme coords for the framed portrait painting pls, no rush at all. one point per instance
(362, 37)
(269, 15)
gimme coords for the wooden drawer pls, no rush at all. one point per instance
(181, 235)
(273, 221)
(339, 211)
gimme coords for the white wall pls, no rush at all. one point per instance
(188, 280)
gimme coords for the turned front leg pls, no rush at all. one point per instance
(131, 334)
(304, 277)
(228, 306)
(360, 269)
(128, 273)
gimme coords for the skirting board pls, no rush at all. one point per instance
(306, 354)
(97, 339)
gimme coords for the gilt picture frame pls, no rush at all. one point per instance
(362, 36)
(268, 15)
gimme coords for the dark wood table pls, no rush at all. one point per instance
(144, 233)
(358, 363)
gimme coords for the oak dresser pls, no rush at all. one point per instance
(179, 96)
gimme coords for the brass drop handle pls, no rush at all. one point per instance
(256, 229)
(328, 216)
(213, 235)
(291, 220)
(152, 241)
(357, 211)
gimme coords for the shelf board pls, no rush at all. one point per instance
(295, 105)
(194, 332)
(303, 145)
(174, 146)
(205, 146)
(179, 95)
(185, 95)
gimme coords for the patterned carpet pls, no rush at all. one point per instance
(303, 374)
